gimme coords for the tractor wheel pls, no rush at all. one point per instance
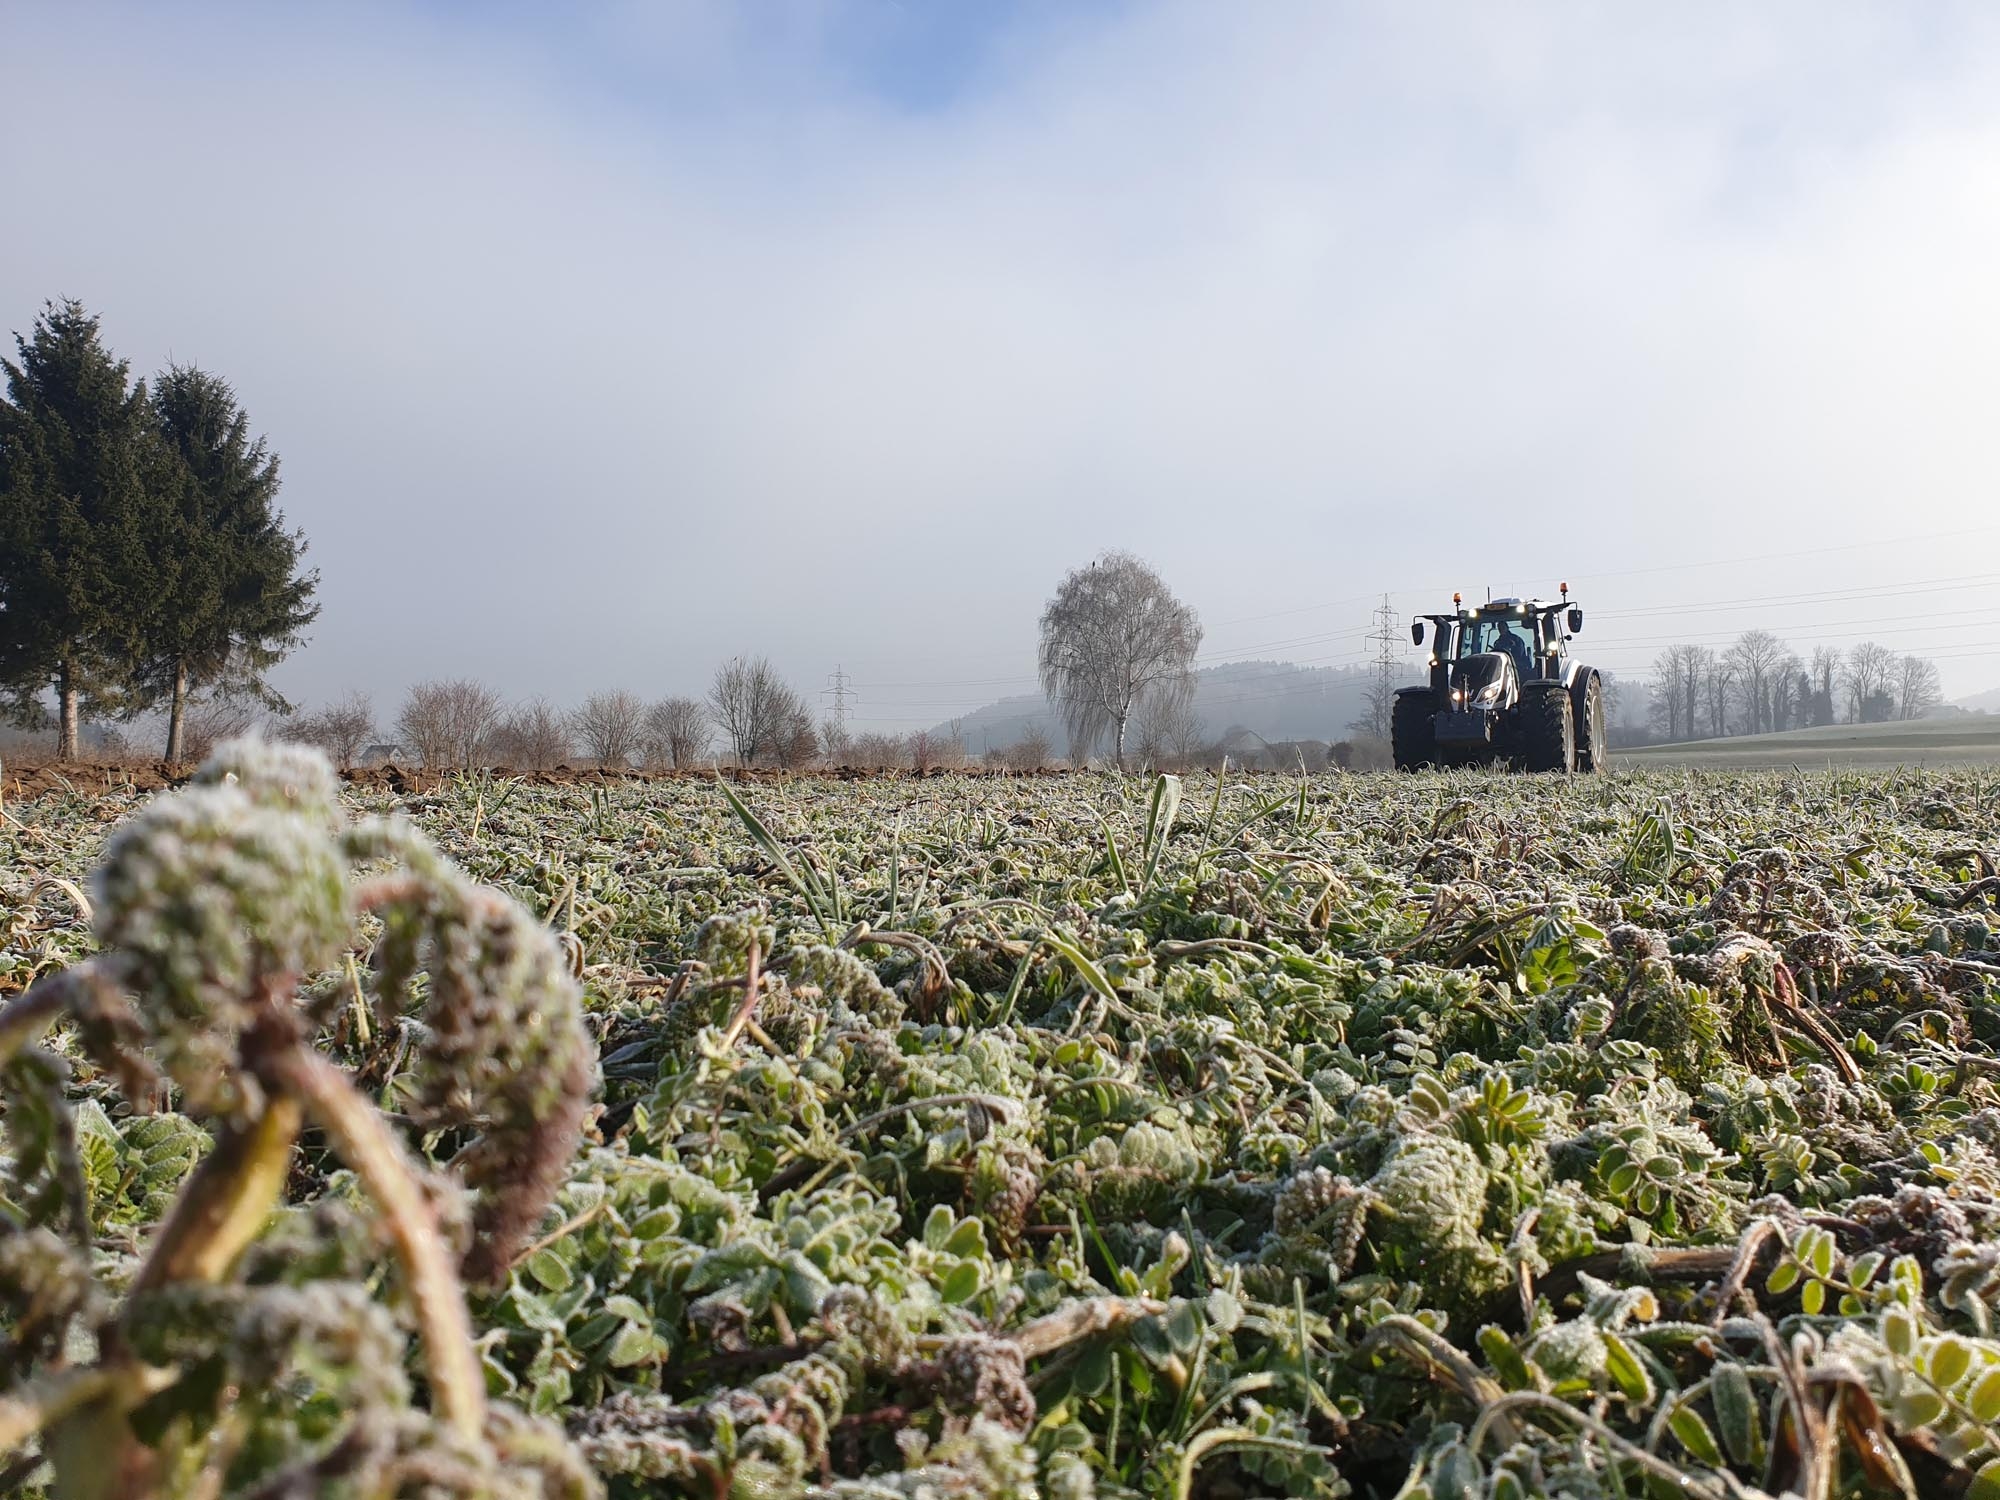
(1548, 732)
(1410, 734)
(1593, 742)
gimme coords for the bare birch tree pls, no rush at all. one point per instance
(1112, 631)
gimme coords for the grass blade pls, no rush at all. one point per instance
(1086, 970)
(1160, 823)
(1112, 856)
(807, 885)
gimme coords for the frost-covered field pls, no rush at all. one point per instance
(1447, 1135)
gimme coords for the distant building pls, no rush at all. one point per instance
(377, 755)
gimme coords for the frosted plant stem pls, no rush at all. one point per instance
(23, 1022)
(226, 1201)
(40, 1404)
(363, 1140)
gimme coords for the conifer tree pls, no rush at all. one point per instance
(230, 598)
(74, 456)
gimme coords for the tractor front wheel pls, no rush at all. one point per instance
(1412, 738)
(1548, 732)
(1593, 741)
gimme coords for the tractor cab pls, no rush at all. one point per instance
(1532, 634)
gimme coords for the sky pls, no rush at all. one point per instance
(601, 343)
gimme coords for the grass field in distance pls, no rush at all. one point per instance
(1969, 741)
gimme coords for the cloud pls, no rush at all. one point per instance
(598, 352)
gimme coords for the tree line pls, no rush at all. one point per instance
(1758, 685)
(1116, 660)
(142, 558)
(750, 716)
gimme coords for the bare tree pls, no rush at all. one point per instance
(1378, 703)
(936, 749)
(1362, 753)
(1031, 751)
(795, 741)
(210, 718)
(875, 752)
(610, 727)
(1917, 687)
(1717, 676)
(1166, 730)
(1112, 631)
(340, 728)
(677, 733)
(1677, 679)
(1791, 693)
(753, 707)
(1753, 664)
(1827, 669)
(533, 737)
(1867, 677)
(449, 723)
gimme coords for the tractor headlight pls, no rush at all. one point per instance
(1458, 695)
(1488, 695)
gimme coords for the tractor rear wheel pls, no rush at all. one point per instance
(1593, 744)
(1411, 737)
(1548, 732)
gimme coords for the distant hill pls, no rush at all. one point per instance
(1269, 699)
(1987, 702)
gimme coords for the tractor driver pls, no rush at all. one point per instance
(1506, 639)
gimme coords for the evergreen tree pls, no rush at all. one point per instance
(230, 599)
(74, 570)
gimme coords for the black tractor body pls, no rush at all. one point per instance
(1503, 690)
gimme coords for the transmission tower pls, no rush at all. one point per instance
(1383, 693)
(839, 688)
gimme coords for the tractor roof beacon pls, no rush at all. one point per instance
(1504, 690)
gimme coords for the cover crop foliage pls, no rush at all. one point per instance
(1447, 1136)
(237, 1353)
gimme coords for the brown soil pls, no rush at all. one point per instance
(26, 783)
(21, 783)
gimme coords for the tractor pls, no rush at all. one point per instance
(1503, 691)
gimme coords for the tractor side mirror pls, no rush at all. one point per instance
(1575, 619)
(1417, 632)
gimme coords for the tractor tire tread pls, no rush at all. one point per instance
(1411, 740)
(1548, 731)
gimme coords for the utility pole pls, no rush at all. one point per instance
(839, 688)
(1383, 693)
